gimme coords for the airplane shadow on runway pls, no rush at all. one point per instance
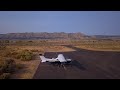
(78, 65)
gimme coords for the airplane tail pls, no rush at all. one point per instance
(43, 59)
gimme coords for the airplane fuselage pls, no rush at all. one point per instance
(59, 60)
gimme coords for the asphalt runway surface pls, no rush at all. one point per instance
(86, 64)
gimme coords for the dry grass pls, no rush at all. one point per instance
(28, 69)
(24, 69)
(42, 48)
(100, 48)
(98, 45)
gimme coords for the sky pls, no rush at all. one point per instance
(87, 22)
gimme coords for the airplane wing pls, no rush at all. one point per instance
(51, 60)
(68, 59)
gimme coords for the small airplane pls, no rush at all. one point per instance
(59, 60)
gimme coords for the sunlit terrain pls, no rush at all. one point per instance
(100, 58)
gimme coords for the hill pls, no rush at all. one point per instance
(55, 35)
(43, 35)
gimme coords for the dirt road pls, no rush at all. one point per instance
(86, 64)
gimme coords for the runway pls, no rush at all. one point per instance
(86, 64)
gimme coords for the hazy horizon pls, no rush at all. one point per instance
(86, 22)
(64, 32)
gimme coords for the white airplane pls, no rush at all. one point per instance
(59, 60)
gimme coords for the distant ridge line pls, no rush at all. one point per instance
(55, 35)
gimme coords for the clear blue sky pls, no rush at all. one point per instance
(87, 22)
